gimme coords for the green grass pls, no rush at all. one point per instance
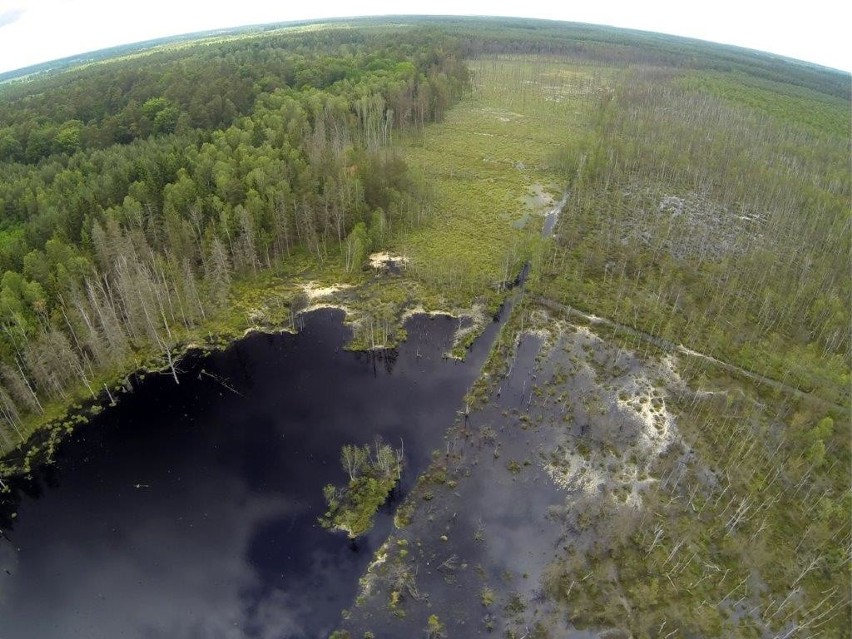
(481, 163)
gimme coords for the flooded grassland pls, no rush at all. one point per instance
(600, 488)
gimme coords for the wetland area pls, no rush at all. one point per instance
(191, 510)
(566, 304)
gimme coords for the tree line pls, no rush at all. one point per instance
(108, 253)
(204, 87)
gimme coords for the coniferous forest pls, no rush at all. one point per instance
(654, 232)
(133, 194)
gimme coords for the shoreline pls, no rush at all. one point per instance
(42, 438)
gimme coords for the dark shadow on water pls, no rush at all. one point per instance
(191, 510)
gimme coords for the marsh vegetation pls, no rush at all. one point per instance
(658, 444)
(374, 472)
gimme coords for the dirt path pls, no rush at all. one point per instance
(680, 348)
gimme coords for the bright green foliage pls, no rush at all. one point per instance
(826, 114)
(373, 474)
(136, 193)
(815, 440)
(357, 245)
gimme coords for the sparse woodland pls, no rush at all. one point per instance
(712, 223)
(373, 474)
(706, 210)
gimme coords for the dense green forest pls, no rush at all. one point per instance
(134, 191)
(706, 216)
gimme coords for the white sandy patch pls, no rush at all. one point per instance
(383, 259)
(657, 423)
(370, 578)
(323, 305)
(629, 427)
(419, 310)
(256, 316)
(315, 291)
(541, 333)
(478, 319)
(590, 336)
(574, 472)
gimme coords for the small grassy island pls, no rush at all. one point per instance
(373, 474)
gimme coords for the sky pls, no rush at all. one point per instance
(33, 31)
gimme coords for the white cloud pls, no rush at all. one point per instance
(10, 16)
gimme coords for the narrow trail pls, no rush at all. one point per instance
(670, 346)
(548, 230)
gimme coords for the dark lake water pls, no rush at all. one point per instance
(191, 510)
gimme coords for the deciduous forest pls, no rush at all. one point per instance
(133, 194)
(674, 361)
